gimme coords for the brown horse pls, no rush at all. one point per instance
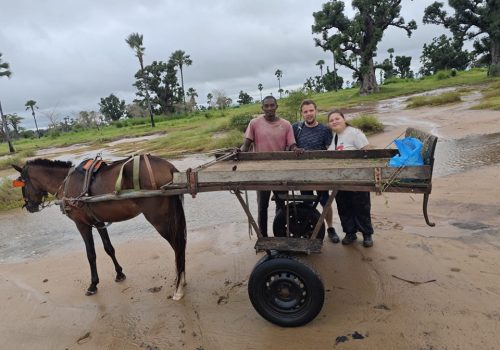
(42, 176)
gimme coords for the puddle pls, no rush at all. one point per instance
(55, 150)
(135, 139)
(455, 156)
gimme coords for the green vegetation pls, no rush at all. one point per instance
(447, 97)
(491, 98)
(369, 124)
(10, 197)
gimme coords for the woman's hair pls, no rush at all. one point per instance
(337, 111)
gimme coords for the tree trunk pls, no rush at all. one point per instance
(494, 70)
(147, 93)
(5, 128)
(368, 79)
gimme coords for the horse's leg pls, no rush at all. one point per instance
(108, 248)
(169, 220)
(86, 232)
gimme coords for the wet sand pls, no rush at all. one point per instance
(370, 302)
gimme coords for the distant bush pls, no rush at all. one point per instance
(447, 97)
(369, 124)
(453, 72)
(443, 74)
(240, 121)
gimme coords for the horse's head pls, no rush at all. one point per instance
(33, 194)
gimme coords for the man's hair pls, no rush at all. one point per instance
(308, 102)
(268, 97)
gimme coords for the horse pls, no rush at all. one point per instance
(39, 177)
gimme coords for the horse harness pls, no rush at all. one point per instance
(91, 167)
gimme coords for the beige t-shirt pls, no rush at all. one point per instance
(350, 139)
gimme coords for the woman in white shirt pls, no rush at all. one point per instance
(354, 208)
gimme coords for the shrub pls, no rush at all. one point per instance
(240, 121)
(447, 97)
(453, 72)
(369, 124)
(442, 74)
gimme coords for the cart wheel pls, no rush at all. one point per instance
(286, 292)
(303, 219)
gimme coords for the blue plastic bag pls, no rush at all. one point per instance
(409, 153)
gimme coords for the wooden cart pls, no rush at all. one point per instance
(282, 289)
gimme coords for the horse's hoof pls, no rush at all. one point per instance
(90, 292)
(120, 277)
(177, 296)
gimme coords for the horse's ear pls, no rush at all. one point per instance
(17, 168)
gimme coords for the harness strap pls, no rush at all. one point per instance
(88, 174)
(136, 159)
(150, 171)
(118, 184)
(135, 172)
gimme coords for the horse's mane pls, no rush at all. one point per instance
(50, 163)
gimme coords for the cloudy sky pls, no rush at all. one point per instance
(66, 55)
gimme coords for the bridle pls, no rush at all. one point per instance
(30, 205)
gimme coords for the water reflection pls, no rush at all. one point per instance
(454, 156)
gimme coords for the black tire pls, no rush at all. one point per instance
(286, 292)
(303, 219)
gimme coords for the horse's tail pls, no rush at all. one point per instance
(179, 234)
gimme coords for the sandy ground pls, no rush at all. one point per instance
(44, 307)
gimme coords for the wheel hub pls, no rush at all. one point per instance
(285, 291)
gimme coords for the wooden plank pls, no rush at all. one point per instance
(311, 175)
(372, 153)
(289, 244)
(294, 164)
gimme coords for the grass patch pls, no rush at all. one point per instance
(447, 97)
(10, 197)
(491, 97)
(369, 124)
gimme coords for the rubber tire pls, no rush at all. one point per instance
(301, 226)
(286, 310)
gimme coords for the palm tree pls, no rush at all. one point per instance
(5, 72)
(134, 40)
(209, 99)
(260, 87)
(180, 59)
(321, 63)
(279, 75)
(32, 105)
(192, 94)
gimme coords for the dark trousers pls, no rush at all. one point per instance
(263, 198)
(354, 210)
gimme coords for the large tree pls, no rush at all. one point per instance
(443, 53)
(180, 59)
(31, 105)
(472, 19)
(5, 72)
(161, 80)
(403, 64)
(135, 40)
(244, 98)
(112, 108)
(359, 35)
